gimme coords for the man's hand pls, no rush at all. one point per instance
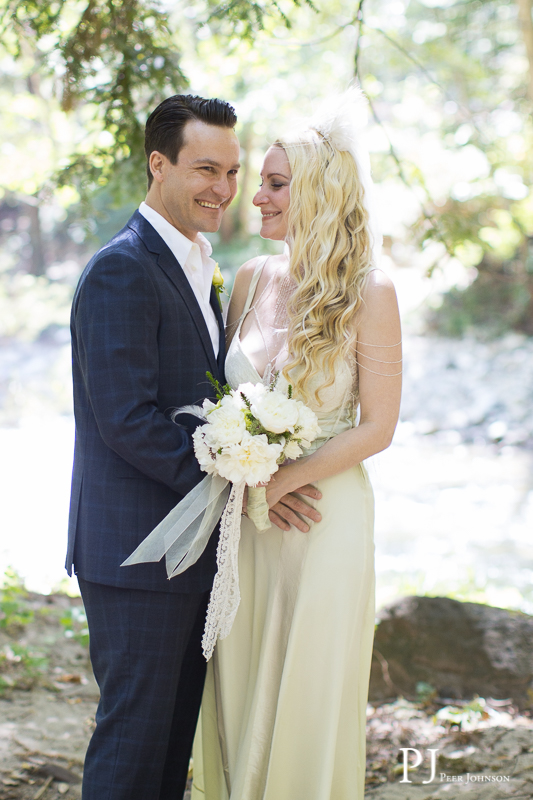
(285, 512)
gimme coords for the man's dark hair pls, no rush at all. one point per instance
(164, 126)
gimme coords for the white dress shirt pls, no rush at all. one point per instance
(196, 262)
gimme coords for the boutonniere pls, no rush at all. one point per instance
(218, 283)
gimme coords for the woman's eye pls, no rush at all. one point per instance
(272, 185)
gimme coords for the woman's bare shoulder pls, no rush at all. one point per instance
(249, 267)
(378, 314)
(378, 282)
(246, 272)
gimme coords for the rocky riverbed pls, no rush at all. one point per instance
(468, 391)
(455, 390)
(454, 493)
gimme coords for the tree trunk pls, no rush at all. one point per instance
(525, 8)
(31, 209)
(243, 208)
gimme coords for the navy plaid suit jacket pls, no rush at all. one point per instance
(140, 347)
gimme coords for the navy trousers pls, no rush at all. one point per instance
(146, 654)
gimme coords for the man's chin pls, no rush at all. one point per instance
(211, 226)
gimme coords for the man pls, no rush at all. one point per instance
(146, 327)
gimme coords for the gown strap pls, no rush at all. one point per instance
(253, 286)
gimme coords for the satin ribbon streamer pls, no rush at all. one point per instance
(185, 531)
(182, 537)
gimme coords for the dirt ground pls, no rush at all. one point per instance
(48, 697)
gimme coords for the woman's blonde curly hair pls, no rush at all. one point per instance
(330, 256)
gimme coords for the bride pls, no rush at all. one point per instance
(283, 714)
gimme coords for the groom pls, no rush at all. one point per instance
(146, 327)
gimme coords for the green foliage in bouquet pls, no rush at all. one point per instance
(220, 390)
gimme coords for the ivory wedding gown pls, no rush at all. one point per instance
(284, 706)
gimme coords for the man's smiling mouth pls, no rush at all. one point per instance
(205, 204)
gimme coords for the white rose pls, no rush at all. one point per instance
(226, 424)
(254, 460)
(292, 450)
(202, 451)
(275, 412)
(308, 424)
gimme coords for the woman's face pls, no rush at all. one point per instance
(273, 197)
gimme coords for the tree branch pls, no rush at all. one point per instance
(360, 22)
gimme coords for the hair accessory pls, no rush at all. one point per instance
(341, 120)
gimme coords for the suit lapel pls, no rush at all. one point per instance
(173, 270)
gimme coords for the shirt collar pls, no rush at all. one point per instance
(179, 244)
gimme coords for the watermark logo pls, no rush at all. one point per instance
(406, 767)
(443, 776)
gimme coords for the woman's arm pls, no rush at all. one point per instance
(378, 352)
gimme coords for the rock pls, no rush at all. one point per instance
(459, 649)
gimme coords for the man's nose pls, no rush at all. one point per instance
(222, 187)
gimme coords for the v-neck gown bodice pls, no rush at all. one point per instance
(284, 708)
(337, 409)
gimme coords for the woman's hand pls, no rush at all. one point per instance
(285, 506)
(279, 485)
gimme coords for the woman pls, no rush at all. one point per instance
(283, 715)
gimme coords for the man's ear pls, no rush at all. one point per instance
(157, 163)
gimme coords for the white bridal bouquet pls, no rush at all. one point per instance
(248, 433)
(251, 431)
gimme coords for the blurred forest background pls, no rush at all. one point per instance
(450, 89)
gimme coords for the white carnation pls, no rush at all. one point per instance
(254, 460)
(208, 406)
(275, 412)
(308, 424)
(203, 453)
(292, 450)
(234, 399)
(252, 391)
(226, 423)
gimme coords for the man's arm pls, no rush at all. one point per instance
(116, 320)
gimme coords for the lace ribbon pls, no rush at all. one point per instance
(225, 595)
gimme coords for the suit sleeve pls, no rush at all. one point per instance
(115, 325)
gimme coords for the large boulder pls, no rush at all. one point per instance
(460, 649)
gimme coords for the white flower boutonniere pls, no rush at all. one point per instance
(218, 283)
